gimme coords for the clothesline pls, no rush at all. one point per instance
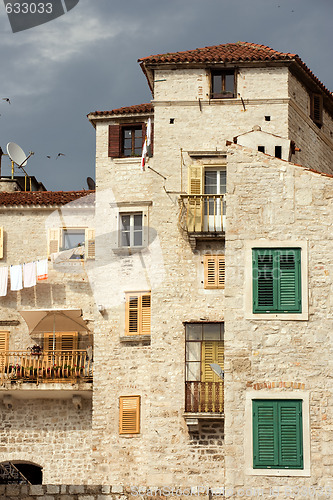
(25, 275)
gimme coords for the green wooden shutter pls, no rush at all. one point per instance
(276, 280)
(290, 438)
(265, 434)
(277, 434)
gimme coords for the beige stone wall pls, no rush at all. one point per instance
(45, 430)
(274, 200)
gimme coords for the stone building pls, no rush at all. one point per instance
(210, 293)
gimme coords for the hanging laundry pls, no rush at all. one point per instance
(16, 277)
(29, 274)
(42, 270)
(3, 281)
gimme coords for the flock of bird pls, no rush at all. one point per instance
(47, 156)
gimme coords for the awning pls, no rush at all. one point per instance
(54, 320)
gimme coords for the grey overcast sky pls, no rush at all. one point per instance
(86, 60)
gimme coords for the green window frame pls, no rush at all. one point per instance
(276, 280)
(277, 434)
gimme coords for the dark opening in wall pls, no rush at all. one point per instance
(267, 118)
(278, 151)
(20, 473)
(261, 149)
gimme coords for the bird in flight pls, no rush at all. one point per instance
(60, 154)
(6, 99)
(47, 156)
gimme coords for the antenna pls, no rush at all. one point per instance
(18, 156)
(217, 370)
(91, 183)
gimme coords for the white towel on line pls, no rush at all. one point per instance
(42, 270)
(29, 274)
(3, 281)
(16, 277)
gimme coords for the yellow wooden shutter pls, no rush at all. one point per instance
(4, 341)
(1, 242)
(129, 415)
(138, 312)
(90, 243)
(214, 271)
(145, 314)
(53, 241)
(212, 352)
(68, 341)
(195, 205)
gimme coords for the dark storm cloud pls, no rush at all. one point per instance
(86, 60)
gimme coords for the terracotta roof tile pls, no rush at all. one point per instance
(41, 198)
(127, 110)
(230, 53)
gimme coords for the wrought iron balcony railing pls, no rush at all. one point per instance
(202, 213)
(46, 366)
(204, 397)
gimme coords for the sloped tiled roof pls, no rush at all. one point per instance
(230, 53)
(41, 198)
(127, 110)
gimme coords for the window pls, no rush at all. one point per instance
(204, 347)
(138, 312)
(126, 140)
(80, 240)
(277, 434)
(276, 280)
(4, 343)
(131, 230)
(64, 341)
(261, 149)
(129, 415)
(223, 84)
(214, 271)
(316, 110)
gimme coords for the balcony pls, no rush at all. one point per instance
(45, 371)
(203, 401)
(202, 216)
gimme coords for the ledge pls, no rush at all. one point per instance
(136, 339)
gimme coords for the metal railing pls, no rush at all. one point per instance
(202, 212)
(204, 397)
(46, 366)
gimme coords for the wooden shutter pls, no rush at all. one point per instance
(1, 242)
(129, 415)
(53, 241)
(114, 141)
(214, 271)
(211, 352)
(64, 341)
(90, 243)
(277, 434)
(195, 205)
(277, 280)
(4, 341)
(317, 109)
(138, 313)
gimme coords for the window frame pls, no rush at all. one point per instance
(55, 237)
(132, 127)
(132, 229)
(225, 94)
(137, 414)
(252, 395)
(141, 319)
(214, 271)
(248, 280)
(316, 108)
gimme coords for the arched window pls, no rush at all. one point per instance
(17, 472)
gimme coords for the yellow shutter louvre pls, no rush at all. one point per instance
(1, 242)
(212, 352)
(64, 341)
(138, 312)
(53, 241)
(195, 204)
(4, 341)
(214, 271)
(90, 243)
(129, 414)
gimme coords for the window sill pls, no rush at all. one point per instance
(279, 472)
(127, 159)
(280, 316)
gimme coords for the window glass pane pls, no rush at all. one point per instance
(138, 133)
(73, 238)
(125, 239)
(138, 143)
(193, 332)
(210, 181)
(211, 331)
(125, 222)
(229, 83)
(193, 351)
(217, 84)
(223, 181)
(138, 221)
(127, 134)
(193, 371)
(137, 238)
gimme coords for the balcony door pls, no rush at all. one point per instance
(214, 210)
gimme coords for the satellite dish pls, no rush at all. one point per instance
(91, 183)
(217, 370)
(16, 154)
